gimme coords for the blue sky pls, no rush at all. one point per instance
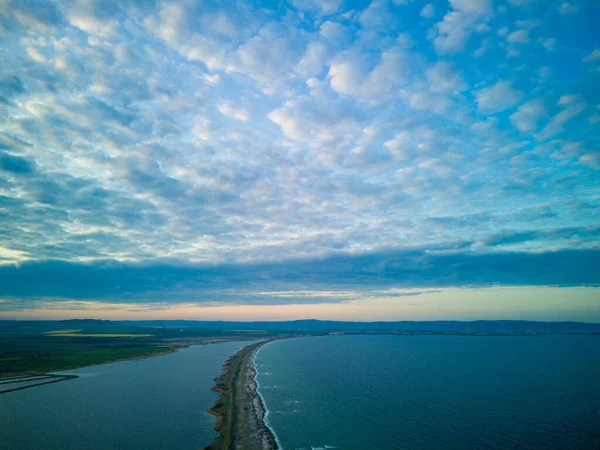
(159, 153)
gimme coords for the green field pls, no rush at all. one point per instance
(39, 347)
(40, 356)
(45, 346)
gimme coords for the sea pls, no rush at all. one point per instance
(153, 403)
(432, 392)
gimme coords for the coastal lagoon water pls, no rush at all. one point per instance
(153, 403)
(432, 392)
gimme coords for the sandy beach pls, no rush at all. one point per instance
(240, 411)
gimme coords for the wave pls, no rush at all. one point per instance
(262, 399)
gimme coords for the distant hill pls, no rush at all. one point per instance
(483, 326)
(322, 326)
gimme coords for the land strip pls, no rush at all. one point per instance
(239, 410)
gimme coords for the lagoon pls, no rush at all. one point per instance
(153, 403)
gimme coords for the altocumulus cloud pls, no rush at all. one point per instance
(196, 150)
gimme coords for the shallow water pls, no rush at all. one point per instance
(432, 392)
(154, 403)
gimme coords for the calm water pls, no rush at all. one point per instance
(155, 403)
(432, 392)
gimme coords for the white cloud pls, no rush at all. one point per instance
(451, 34)
(595, 55)
(567, 100)
(269, 58)
(497, 97)
(313, 60)
(322, 7)
(314, 120)
(82, 16)
(518, 37)
(558, 122)
(427, 11)
(336, 33)
(474, 7)
(202, 129)
(401, 147)
(134, 134)
(567, 8)
(426, 101)
(350, 76)
(443, 77)
(528, 115)
(229, 109)
(376, 15)
(549, 44)
(36, 55)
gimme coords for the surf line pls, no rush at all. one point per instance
(265, 419)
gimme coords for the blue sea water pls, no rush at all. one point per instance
(433, 392)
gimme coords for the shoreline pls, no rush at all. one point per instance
(31, 373)
(240, 410)
(171, 346)
(265, 417)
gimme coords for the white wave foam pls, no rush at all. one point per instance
(266, 416)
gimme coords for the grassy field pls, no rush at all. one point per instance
(44, 346)
(111, 335)
(39, 347)
(40, 356)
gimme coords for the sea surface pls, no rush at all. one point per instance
(153, 403)
(433, 392)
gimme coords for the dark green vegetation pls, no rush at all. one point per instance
(32, 347)
(42, 346)
(21, 354)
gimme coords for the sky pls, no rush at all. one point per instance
(355, 160)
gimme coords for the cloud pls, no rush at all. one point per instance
(230, 110)
(321, 7)
(308, 119)
(428, 11)
(549, 44)
(497, 97)
(511, 237)
(528, 115)
(108, 281)
(595, 55)
(401, 147)
(518, 37)
(443, 78)
(452, 33)
(313, 60)
(83, 16)
(557, 123)
(189, 134)
(567, 9)
(351, 75)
